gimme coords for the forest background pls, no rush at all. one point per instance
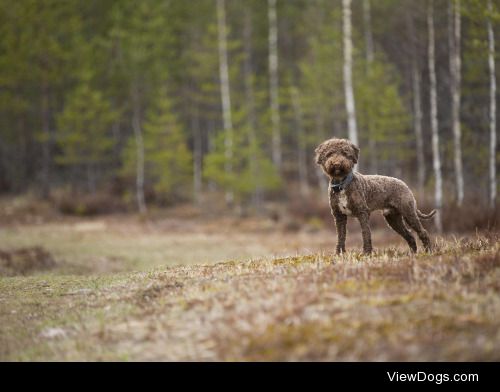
(120, 106)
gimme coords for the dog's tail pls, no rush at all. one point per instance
(424, 216)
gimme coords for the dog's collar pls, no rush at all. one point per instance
(340, 186)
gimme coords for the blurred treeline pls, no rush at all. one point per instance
(127, 96)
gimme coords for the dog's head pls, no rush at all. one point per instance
(337, 157)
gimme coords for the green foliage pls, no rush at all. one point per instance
(83, 128)
(251, 169)
(167, 154)
(321, 78)
(380, 109)
(168, 160)
(74, 73)
(382, 114)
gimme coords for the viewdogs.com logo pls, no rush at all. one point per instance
(438, 378)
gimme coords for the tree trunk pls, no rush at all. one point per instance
(136, 125)
(117, 135)
(4, 170)
(225, 94)
(372, 145)
(417, 102)
(273, 84)
(455, 69)
(197, 155)
(320, 135)
(211, 148)
(434, 120)
(493, 109)
(368, 31)
(301, 153)
(348, 89)
(47, 142)
(91, 178)
(251, 115)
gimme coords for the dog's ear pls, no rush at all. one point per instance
(356, 152)
(318, 153)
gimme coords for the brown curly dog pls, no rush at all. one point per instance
(357, 195)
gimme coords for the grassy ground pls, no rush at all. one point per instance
(165, 298)
(125, 243)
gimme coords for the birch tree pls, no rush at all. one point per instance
(369, 61)
(197, 155)
(436, 160)
(493, 108)
(274, 84)
(348, 89)
(136, 27)
(455, 70)
(416, 101)
(225, 93)
(47, 140)
(139, 143)
(368, 31)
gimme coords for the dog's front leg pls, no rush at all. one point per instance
(364, 221)
(341, 224)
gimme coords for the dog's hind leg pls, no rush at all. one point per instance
(412, 220)
(395, 220)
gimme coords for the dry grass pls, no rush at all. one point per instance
(128, 243)
(390, 306)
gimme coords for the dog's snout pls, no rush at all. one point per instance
(336, 165)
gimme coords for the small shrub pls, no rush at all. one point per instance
(98, 203)
(25, 261)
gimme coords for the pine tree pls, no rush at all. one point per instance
(168, 159)
(320, 81)
(142, 36)
(83, 131)
(382, 110)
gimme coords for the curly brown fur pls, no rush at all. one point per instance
(368, 193)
